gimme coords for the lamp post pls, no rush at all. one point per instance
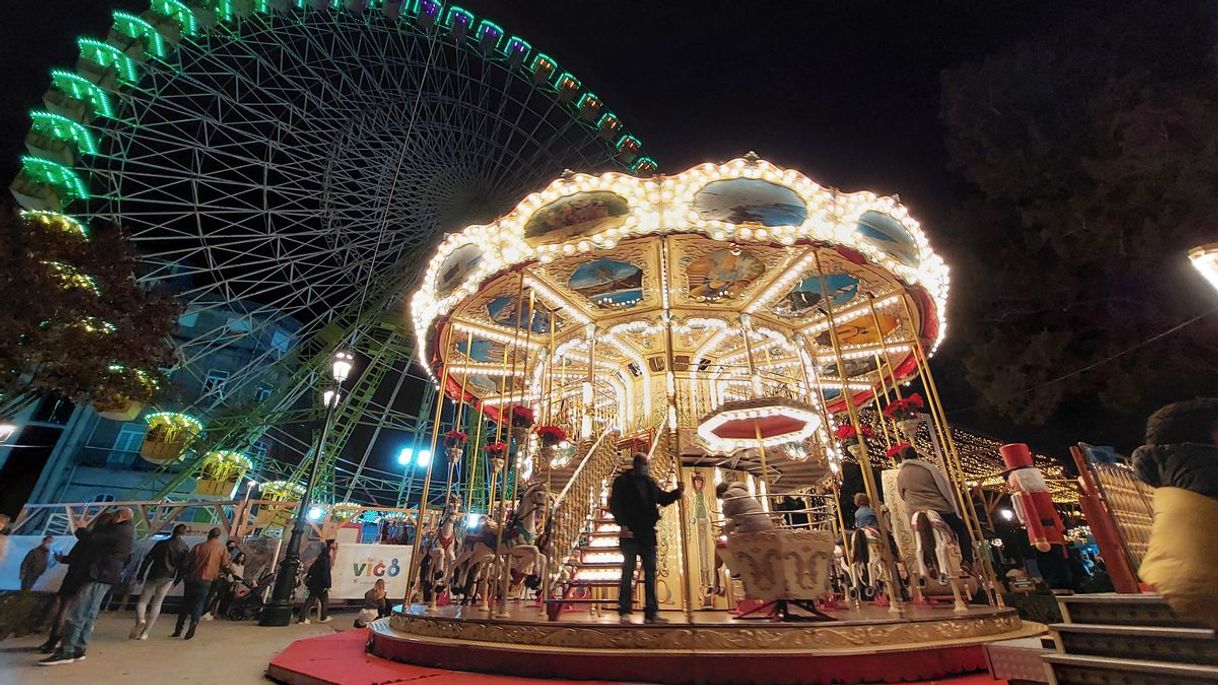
(1205, 260)
(278, 612)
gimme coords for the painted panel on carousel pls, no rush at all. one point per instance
(809, 293)
(722, 274)
(750, 201)
(503, 310)
(890, 236)
(861, 331)
(854, 368)
(608, 283)
(576, 215)
(459, 264)
(482, 352)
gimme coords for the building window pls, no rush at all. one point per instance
(237, 324)
(262, 394)
(214, 382)
(281, 341)
(126, 445)
(188, 319)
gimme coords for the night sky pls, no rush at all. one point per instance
(847, 92)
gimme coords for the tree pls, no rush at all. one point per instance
(1093, 157)
(73, 320)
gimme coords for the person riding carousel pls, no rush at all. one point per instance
(923, 487)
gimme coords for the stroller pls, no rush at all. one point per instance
(248, 597)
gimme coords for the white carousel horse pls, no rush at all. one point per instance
(866, 562)
(938, 552)
(519, 542)
(443, 548)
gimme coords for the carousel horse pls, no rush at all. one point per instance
(866, 563)
(938, 552)
(443, 548)
(519, 541)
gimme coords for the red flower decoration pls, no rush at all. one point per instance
(896, 449)
(906, 408)
(495, 449)
(551, 435)
(522, 416)
(846, 432)
(454, 437)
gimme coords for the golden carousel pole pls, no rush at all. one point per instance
(912, 571)
(517, 457)
(964, 497)
(505, 404)
(895, 605)
(412, 573)
(548, 407)
(492, 500)
(815, 387)
(674, 427)
(746, 322)
(473, 458)
(448, 487)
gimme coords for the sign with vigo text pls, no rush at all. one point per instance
(357, 568)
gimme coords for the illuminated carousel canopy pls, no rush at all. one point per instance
(599, 298)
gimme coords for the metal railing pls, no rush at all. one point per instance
(580, 499)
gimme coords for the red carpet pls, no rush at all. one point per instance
(340, 659)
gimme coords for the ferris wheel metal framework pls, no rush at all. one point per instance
(290, 155)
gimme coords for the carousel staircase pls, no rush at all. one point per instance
(595, 569)
(586, 536)
(1114, 639)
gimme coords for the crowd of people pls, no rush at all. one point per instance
(208, 572)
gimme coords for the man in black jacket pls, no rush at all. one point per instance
(159, 569)
(635, 502)
(318, 580)
(111, 544)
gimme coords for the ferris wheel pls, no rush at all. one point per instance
(282, 160)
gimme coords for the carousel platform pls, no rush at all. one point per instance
(867, 645)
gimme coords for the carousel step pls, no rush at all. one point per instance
(1121, 610)
(1158, 643)
(595, 564)
(599, 582)
(1073, 669)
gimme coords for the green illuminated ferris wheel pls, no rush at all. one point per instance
(283, 162)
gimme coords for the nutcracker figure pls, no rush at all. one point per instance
(1031, 499)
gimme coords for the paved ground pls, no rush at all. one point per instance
(222, 652)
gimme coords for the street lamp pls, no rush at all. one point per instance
(278, 612)
(1205, 260)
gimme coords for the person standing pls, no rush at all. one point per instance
(35, 563)
(77, 560)
(111, 545)
(318, 582)
(159, 571)
(923, 487)
(635, 502)
(219, 584)
(203, 565)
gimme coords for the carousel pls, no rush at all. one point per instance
(754, 334)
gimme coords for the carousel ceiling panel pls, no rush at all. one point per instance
(506, 306)
(712, 273)
(605, 282)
